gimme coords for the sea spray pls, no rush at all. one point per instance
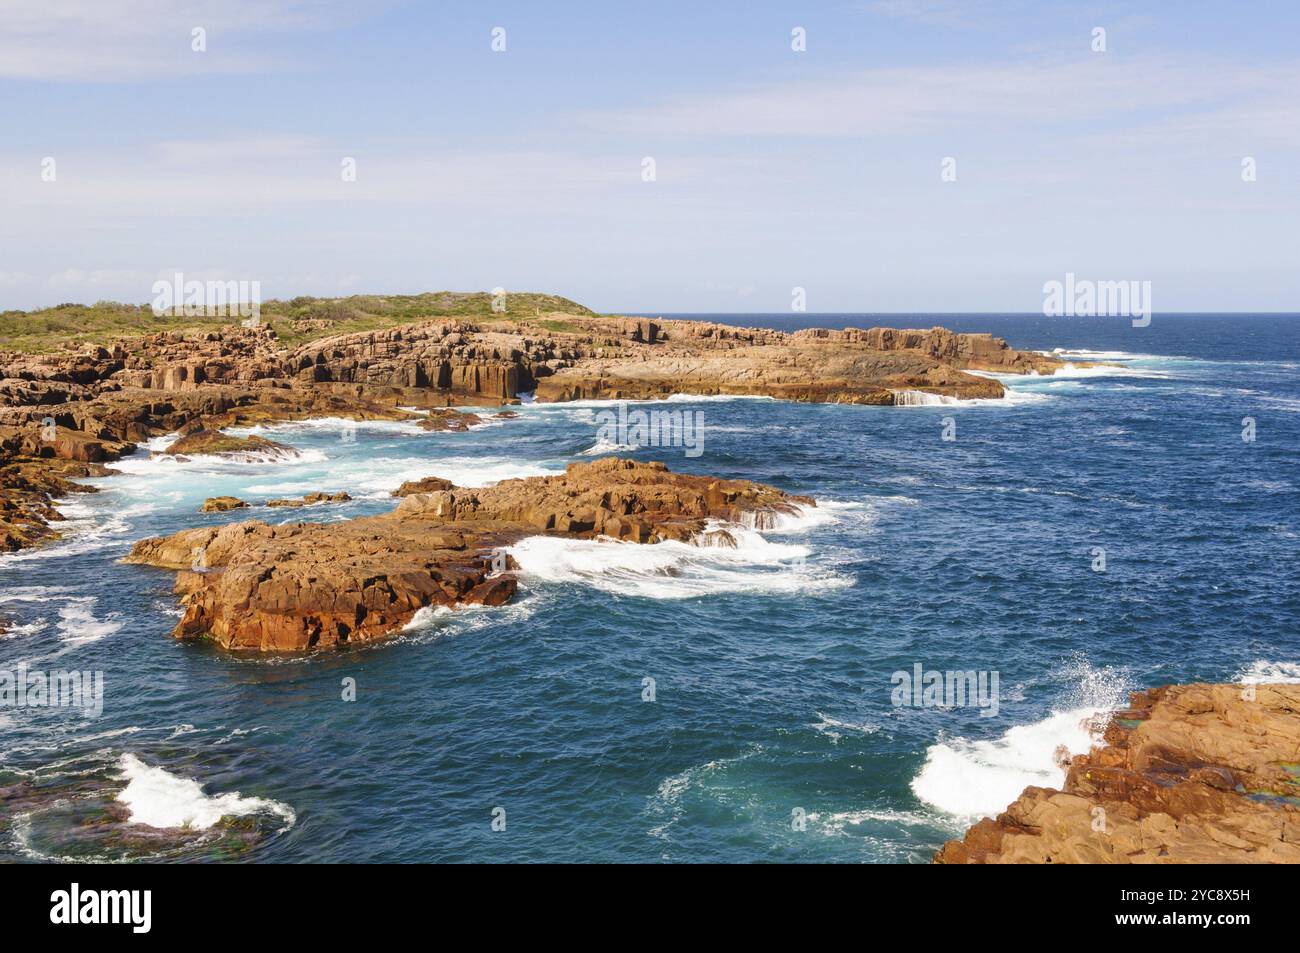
(160, 799)
(980, 778)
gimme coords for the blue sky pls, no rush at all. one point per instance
(775, 169)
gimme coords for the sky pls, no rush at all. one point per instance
(774, 169)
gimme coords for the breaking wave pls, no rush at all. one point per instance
(675, 570)
(980, 778)
(160, 799)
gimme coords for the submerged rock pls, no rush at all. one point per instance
(445, 419)
(311, 499)
(1188, 774)
(208, 442)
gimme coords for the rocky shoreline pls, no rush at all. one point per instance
(64, 415)
(1187, 774)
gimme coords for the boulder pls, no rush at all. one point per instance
(428, 484)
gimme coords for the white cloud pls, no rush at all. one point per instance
(243, 174)
(135, 40)
(891, 102)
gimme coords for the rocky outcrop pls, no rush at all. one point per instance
(445, 419)
(428, 484)
(44, 448)
(211, 442)
(39, 463)
(252, 586)
(223, 504)
(1188, 774)
(312, 499)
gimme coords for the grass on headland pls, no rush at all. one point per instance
(296, 321)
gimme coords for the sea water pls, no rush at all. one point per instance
(679, 702)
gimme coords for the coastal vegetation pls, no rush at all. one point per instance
(296, 321)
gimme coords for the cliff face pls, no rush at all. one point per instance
(497, 361)
(1188, 774)
(257, 587)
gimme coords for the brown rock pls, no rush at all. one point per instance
(104, 398)
(1190, 774)
(445, 419)
(302, 586)
(428, 484)
(216, 442)
(220, 504)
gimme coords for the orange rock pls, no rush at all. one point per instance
(302, 586)
(1190, 774)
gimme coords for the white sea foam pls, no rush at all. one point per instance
(675, 570)
(825, 513)
(837, 823)
(426, 616)
(921, 398)
(338, 425)
(563, 405)
(377, 477)
(160, 799)
(980, 778)
(666, 803)
(92, 526)
(159, 444)
(1012, 397)
(835, 728)
(31, 594)
(603, 446)
(1264, 672)
(29, 628)
(212, 463)
(437, 621)
(78, 623)
(464, 471)
(1108, 370)
(1085, 354)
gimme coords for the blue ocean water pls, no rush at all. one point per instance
(771, 735)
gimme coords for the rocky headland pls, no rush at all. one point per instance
(253, 586)
(1187, 774)
(66, 413)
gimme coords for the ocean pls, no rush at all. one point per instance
(1098, 531)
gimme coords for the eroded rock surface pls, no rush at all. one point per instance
(1188, 774)
(90, 404)
(252, 586)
